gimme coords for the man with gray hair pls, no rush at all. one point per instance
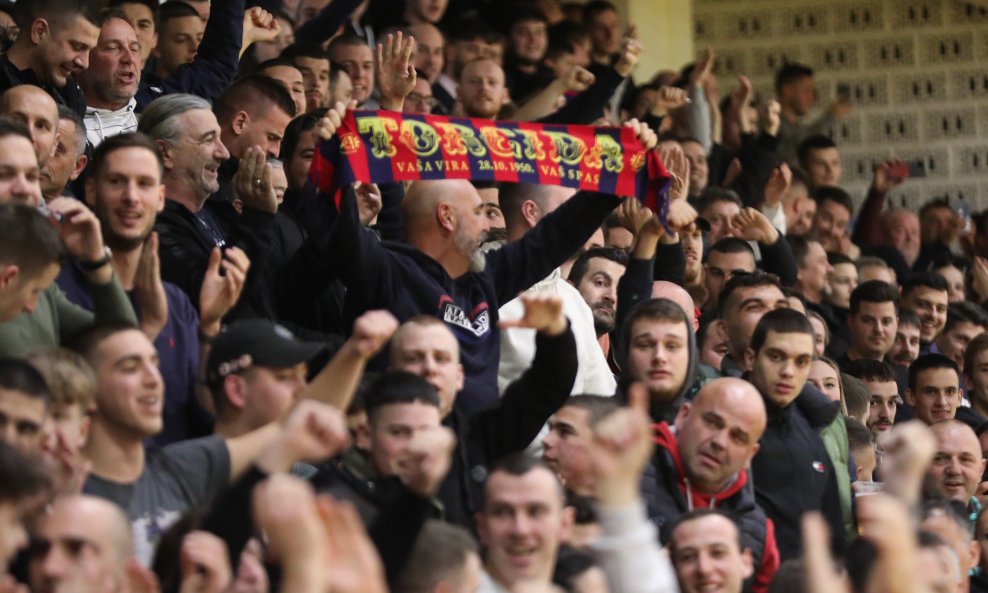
(68, 158)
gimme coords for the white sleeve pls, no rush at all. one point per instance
(628, 550)
(777, 216)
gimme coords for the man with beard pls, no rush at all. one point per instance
(442, 271)
(905, 348)
(52, 49)
(482, 92)
(596, 275)
(523, 206)
(114, 89)
(693, 278)
(965, 321)
(468, 41)
(880, 380)
(124, 190)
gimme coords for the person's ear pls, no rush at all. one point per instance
(909, 397)
(165, 150)
(749, 359)
(567, 520)
(446, 217)
(240, 122)
(747, 563)
(681, 415)
(530, 212)
(40, 29)
(80, 164)
(161, 199)
(460, 377)
(362, 438)
(8, 276)
(235, 391)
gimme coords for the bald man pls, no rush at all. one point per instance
(663, 289)
(36, 109)
(429, 49)
(703, 465)
(957, 465)
(83, 543)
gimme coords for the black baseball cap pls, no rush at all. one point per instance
(256, 342)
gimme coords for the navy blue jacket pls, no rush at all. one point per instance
(215, 64)
(407, 282)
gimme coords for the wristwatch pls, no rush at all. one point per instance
(92, 266)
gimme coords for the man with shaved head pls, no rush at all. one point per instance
(663, 289)
(429, 48)
(702, 462)
(957, 465)
(82, 543)
(36, 109)
(442, 271)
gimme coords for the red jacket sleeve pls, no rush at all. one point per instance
(770, 561)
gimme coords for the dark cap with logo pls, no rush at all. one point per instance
(256, 343)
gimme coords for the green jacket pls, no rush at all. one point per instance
(56, 318)
(835, 440)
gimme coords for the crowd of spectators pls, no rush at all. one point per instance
(215, 378)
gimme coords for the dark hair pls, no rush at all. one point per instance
(570, 564)
(18, 375)
(28, 240)
(925, 280)
(866, 369)
(471, 29)
(800, 248)
(87, 341)
(965, 312)
(398, 387)
(304, 50)
(24, 476)
(441, 550)
(12, 127)
(655, 310)
(791, 292)
(791, 72)
(703, 513)
(597, 407)
(274, 63)
(524, 12)
(934, 204)
(253, 93)
(814, 142)
(858, 435)
(564, 38)
(739, 281)
(873, 291)
(975, 347)
(58, 12)
(781, 321)
(120, 142)
(293, 132)
(731, 245)
(174, 9)
(833, 194)
(520, 464)
(713, 194)
(152, 5)
(594, 7)
(348, 38)
(909, 317)
(789, 578)
(857, 397)
(928, 362)
(582, 263)
(836, 258)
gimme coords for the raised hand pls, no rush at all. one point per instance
(772, 116)
(979, 277)
(221, 286)
(253, 181)
(886, 176)
(777, 185)
(259, 25)
(752, 225)
(577, 79)
(907, 452)
(703, 67)
(371, 331)
(395, 74)
(669, 98)
(740, 99)
(327, 126)
(81, 234)
(368, 201)
(150, 291)
(205, 564)
(285, 511)
(312, 431)
(681, 215)
(632, 215)
(71, 467)
(543, 313)
(622, 445)
(675, 161)
(429, 455)
(352, 560)
(645, 135)
(628, 52)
